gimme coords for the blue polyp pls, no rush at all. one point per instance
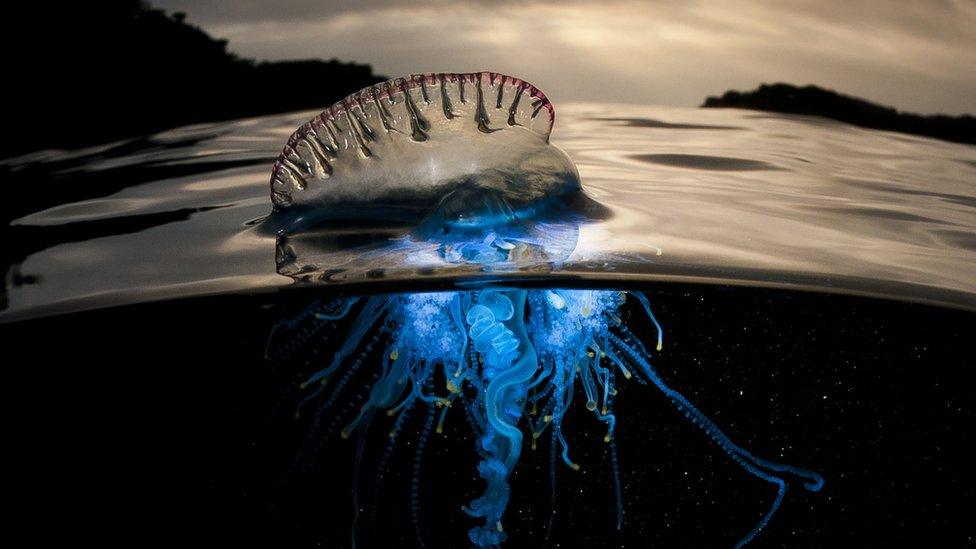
(511, 359)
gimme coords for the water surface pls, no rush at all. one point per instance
(694, 195)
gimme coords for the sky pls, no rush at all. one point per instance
(915, 55)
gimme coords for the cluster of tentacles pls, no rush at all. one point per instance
(511, 358)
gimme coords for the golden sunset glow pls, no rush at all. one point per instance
(918, 56)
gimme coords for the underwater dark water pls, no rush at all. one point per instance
(167, 423)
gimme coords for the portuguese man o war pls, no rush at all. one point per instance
(463, 164)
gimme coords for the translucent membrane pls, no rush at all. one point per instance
(397, 149)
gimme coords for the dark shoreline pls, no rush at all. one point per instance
(132, 70)
(817, 101)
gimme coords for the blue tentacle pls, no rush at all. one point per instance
(754, 466)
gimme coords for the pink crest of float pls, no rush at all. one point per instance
(461, 118)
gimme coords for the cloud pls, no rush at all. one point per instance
(918, 56)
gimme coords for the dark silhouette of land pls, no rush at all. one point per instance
(813, 100)
(93, 72)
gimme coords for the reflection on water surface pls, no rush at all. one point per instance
(723, 195)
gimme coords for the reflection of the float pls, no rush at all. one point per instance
(468, 233)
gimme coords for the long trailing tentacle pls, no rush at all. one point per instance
(415, 480)
(615, 467)
(357, 468)
(617, 491)
(757, 467)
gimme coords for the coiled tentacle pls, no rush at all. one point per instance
(510, 362)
